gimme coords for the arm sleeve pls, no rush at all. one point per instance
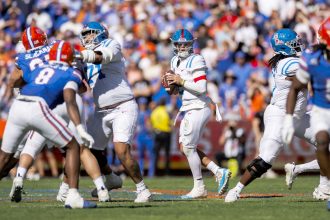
(197, 66)
(198, 85)
(111, 51)
(290, 68)
(302, 74)
(71, 85)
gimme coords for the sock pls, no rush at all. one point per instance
(239, 187)
(64, 185)
(212, 167)
(324, 181)
(21, 172)
(140, 186)
(73, 191)
(306, 167)
(99, 183)
(196, 168)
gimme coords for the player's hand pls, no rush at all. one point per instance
(174, 79)
(288, 129)
(86, 138)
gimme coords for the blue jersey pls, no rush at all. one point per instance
(48, 82)
(318, 70)
(28, 61)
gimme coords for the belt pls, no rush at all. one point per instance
(114, 105)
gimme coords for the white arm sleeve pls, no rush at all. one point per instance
(302, 74)
(199, 85)
(71, 85)
(110, 53)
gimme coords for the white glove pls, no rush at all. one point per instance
(86, 138)
(288, 129)
(88, 56)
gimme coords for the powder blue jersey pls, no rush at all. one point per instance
(316, 69)
(48, 82)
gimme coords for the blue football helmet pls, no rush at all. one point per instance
(287, 42)
(182, 41)
(93, 34)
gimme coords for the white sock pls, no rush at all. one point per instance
(212, 167)
(307, 167)
(140, 186)
(21, 172)
(239, 187)
(99, 183)
(196, 168)
(73, 191)
(324, 181)
(64, 185)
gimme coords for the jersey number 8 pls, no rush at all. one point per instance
(44, 76)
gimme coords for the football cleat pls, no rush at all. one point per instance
(196, 193)
(112, 181)
(143, 196)
(16, 190)
(222, 178)
(103, 195)
(62, 193)
(75, 201)
(321, 193)
(290, 175)
(232, 196)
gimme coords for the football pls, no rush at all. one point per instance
(171, 89)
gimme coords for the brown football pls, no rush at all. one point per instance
(171, 89)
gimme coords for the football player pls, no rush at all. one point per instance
(314, 68)
(284, 64)
(115, 113)
(44, 88)
(190, 76)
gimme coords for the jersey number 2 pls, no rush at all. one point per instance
(44, 76)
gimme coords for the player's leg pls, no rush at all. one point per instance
(124, 123)
(270, 145)
(93, 170)
(53, 128)
(190, 131)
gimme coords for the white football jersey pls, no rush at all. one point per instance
(108, 81)
(185, 69)
(287, 67)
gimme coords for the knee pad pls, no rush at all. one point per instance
(258, 167)
(100, 157)
(188, 151)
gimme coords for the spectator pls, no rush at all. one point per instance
(161, 123)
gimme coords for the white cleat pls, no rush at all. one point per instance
(143, 196)
(290, 175)
(62, 193)
(75, 201)
(103, 195)
(232, 196)
(16, 189)
(196, 193)
(111, 181)
(222, 178)
(321, 193)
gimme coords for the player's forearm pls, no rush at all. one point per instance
(295, 88)
(73, 112)
(195, 87)
(101, 56)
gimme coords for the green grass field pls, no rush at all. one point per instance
(263, 199)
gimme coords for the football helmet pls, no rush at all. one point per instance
(324, 31)
(182, 41)
(62, 51)
(93, 34)
(287, 42)
(33, 37)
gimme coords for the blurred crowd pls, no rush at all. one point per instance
(232, 35)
